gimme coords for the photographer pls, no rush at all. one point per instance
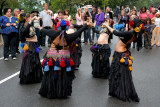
(36, 23)
(87, 33)
(21, 23)
(93, 13)
(109, 16)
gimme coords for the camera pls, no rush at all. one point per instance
(21, 17)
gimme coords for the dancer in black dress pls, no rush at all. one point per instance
(120, 80)
(58, 66)
(31, 69)
(75, 47)
(100, 54)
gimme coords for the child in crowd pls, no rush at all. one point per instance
(148, 33)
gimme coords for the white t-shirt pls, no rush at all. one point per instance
(46, 18)
(157, 22)
(36, 22)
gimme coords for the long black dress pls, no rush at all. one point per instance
(31, 69)
(76, 48)
(100, 59)
(57, 79)
(120, 80)
(76, 51)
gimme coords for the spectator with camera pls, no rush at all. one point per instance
(36, 23)
(21, 18)
(87, 33)
(109, 16)
(93, 13)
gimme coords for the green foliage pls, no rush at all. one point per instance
(140, 3)
(65, 4)
(8, 3)
(29, 5)
(72, 5)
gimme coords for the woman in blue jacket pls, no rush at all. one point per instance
(8, 24)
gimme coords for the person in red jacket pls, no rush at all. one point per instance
(58, 18)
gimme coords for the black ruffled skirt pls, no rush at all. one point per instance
(120, 80)
(31, 69)
(76, 52)
(57, 83)
(100, 60)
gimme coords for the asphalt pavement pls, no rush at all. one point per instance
(87, 91)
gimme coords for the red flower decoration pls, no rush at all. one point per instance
(59, 24)
(131, 23)
(111, 21)
(143, 28)
(68, 23)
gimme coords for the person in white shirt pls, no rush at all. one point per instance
(36, 23)
(127, 9)
(156, 31)
(46, 16)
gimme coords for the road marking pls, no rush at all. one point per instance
(13, 75)
(8, 78)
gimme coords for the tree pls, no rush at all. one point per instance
(2, 2)
(66, 4)
(71, 5)
(29, 5)
(8, 3)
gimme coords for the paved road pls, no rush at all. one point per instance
(87, 91)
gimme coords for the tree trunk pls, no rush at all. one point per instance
(1, 8)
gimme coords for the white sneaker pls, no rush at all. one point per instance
(6, 59)
(14, 58)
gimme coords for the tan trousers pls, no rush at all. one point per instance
(1, 40)
(155, 32)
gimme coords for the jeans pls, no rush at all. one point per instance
(93, 35)
(17, 42)
(43, 38)
(9, 41)
(87, 35)
(97, 28)
(117, 19)
(147, 38)
(38, 35)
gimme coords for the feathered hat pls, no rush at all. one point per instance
(138, 27)
(63, 25)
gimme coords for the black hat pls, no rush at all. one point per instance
(137, 22)
(33, 11)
